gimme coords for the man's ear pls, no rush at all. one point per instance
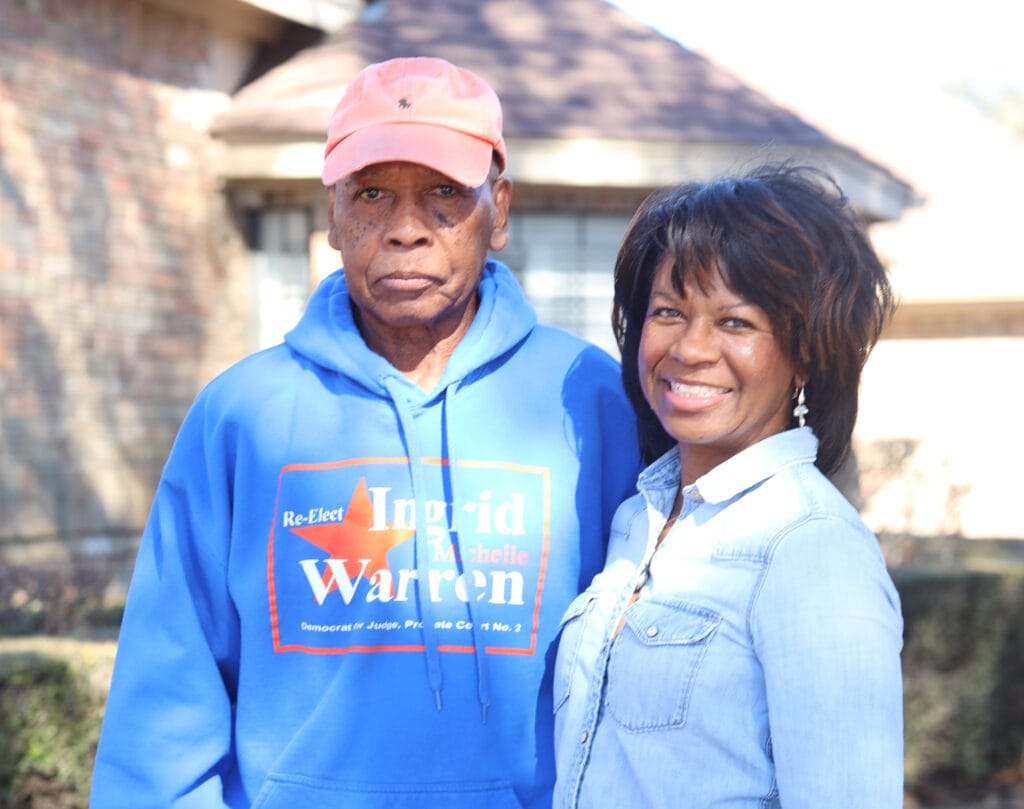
(332, 229)
(501, 195)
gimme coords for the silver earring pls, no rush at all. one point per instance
(801, 409)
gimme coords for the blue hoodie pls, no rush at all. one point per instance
(349, 589)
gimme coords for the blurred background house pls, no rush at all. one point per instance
(161, 216)
(936, 91)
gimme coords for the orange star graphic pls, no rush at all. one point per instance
(352, 540)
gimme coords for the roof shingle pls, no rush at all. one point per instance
(563, 69)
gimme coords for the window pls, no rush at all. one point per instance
(280, 255)
(565, 262)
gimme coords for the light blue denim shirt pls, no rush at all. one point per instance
(760, 663)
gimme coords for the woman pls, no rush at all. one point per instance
(741, 647)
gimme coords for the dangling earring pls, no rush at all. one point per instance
(801, 409)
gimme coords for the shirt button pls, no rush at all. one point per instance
(652, 631)
(583, 737)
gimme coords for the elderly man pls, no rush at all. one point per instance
(350, 586)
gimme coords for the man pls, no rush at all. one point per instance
(351, 582)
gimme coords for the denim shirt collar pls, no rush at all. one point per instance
(742, 471)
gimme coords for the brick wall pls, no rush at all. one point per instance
(122, 282)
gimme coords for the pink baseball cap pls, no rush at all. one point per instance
(417, 110)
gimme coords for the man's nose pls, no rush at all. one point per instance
(408, 224)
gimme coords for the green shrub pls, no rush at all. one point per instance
(74, 597)
(963, 669)
(49, 724)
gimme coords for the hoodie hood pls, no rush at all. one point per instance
(327, 333)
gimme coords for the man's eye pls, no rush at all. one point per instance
(447, 190)
(370, 193)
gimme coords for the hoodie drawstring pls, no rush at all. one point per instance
(483, 681)
(421, 548)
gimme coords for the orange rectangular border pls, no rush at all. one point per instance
(544, 472)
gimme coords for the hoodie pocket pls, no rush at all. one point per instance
(569, 643)
(654, 662)
(289, 792)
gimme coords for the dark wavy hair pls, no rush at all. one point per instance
(785, 238)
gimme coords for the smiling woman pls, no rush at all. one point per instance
(783, 243)
(742, 645)
(712, 370)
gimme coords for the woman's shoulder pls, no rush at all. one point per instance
(796, 506)
(816, 520)
(801, 491)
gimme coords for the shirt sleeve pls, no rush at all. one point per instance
(166, 739)
(827, 629)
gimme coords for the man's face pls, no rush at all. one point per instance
(413, 243)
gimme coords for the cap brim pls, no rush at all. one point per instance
(465, 159)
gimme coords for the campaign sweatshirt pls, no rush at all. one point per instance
(348, 591)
